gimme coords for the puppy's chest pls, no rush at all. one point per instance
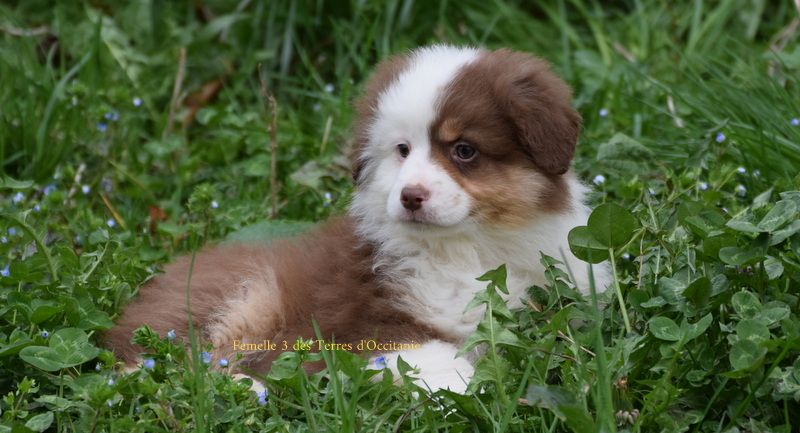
(439, 294)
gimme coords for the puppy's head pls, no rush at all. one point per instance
(452, 137)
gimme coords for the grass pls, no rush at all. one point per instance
(113, 161)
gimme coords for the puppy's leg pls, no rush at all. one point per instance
(250, 315)
(217, 274)
(439, 368)
(234, 296)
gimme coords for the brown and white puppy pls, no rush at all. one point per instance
(461, 165)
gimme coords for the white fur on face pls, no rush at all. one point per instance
(404, 114)
(448, 204)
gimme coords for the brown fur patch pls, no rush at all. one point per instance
(366, 106)
(517, 114)
(255, 293)
(450, 130)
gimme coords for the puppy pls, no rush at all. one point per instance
(461, 164)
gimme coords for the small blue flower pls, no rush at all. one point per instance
(741, 170)
(112, 116)
(45, 334)
(110, 381)
(795, 121)
(741, 191)
(329, 88)
(703, 186)
(102, 126)
(171, 334)
(37, 208)
(720, 137)
(12, 231)
(380, 362)
(206, 357)
(603, 112)
(262, 397)
(3, 240)
(49, 189)
(111, 223)
(214, 204)
(223, 363)
(98, 367)
(137, 101)
(106, 184)
(85, 189)
(599, 179)
(626, 256)
(78, 240)
(18, 197)
(5, 272)
(149, 363)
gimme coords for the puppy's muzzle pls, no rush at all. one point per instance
(413, 196)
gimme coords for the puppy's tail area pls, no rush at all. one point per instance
(158, 306)
(161, 302)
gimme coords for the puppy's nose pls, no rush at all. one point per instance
(413, 196)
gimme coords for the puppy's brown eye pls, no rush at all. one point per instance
(464, 152)
(403, 149)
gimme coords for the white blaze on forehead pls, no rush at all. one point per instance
(408, 106)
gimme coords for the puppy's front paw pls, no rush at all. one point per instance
(453, 374)
(256, 387)
(438, 366)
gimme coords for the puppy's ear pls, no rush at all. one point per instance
(356, 166)
(538, 103)
(367, 106)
